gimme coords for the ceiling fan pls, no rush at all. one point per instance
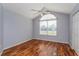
(42, 12)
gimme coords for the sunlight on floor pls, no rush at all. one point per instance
(44, 49)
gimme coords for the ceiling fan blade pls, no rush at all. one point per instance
(44, 9)
(47, 12)
(36, 13)
(36, 10)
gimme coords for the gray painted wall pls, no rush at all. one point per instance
(71, 19)
(1, 32)
(17, 28)
(62, 28)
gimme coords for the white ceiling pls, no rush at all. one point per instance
(25, 8)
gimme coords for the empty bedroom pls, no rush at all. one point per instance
(39, 29)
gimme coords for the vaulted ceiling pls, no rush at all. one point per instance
(25, 9)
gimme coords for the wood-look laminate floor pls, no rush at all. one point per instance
(40, 48)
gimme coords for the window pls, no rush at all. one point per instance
(48, 25)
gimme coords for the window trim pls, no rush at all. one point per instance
(47, 26)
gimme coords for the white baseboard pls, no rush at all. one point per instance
(77, 51)
(31, 39)
(51, 40)
(16, 44)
